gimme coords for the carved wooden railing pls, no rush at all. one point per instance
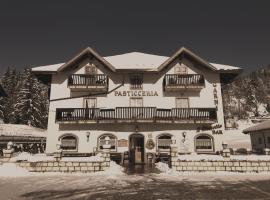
(88, 80)
(184, 80)
(135, 113)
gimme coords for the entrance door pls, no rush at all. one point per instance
(136, 148)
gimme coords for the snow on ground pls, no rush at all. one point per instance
(235, 138)
(96, 158)
(21, 130)
(25, 156)
(11, 170)
(205, 157)
(169, 174)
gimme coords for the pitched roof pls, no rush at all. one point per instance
(86, 52)
(135, 61)
(258, 127)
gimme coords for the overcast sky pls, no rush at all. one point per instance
(34, 33)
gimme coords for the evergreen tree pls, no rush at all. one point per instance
(31, 105)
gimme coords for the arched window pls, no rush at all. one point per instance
(204, 143)
(112, 142)
(69, 142)
(163, 142)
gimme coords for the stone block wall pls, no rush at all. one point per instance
(229, 166)
(65, 166)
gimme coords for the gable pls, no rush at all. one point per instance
(87, 53)
(185, 53)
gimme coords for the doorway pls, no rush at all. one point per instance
(136, 148)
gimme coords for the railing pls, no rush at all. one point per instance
(184, 80)
(88, 80)
(135, 113)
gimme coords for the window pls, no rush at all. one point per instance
(182, 103)
(136, 81)
(204, 143)
(136, 102)
(163, 142)
(69, 143)
(89, 102)
(112, 142)
(260, 140)
(180, 69)
(90, 69)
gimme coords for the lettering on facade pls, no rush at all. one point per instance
(122, 143)
(139, 93)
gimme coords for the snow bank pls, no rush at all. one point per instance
(203, 157)
(251, 157)
(11, 170)
(114, 169)
(21, 130)
(97, 158)
(25, 156)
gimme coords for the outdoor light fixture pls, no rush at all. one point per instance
(184, 134)
(87, 136)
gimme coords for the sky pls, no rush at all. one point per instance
(35, 33)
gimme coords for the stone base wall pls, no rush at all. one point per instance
(64, 166)
(229, 166)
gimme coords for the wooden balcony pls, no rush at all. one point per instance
(179, 82)
(86, 82)
(136, 114)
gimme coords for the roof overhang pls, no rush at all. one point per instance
(183, 52)
(258, 127)
(88, 52)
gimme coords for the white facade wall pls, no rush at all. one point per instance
(151, 82)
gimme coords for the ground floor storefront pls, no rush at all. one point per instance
(133, 143)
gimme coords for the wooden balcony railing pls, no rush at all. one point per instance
(88, 80)
(144, 114)
(180, 81)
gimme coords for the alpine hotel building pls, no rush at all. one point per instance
(140, 101)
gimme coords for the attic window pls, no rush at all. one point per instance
(136, 81)
(90, 69)
(180, 69)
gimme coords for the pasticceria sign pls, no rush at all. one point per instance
(136, 93)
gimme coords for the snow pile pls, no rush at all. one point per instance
(250, 157)
(21, 130)
(201, 157)
(25, 156)
(165, 169)
(114, 169)
(97, 158)
(11, 170)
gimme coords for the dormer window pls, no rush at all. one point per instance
(136, 81)
(90, 69)
(180, 69)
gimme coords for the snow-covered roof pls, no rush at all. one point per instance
(259, 127)
(48, 68)
(134, 60)
(21, 130)
(224, 67)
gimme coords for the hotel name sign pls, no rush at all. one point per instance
(136, 93)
